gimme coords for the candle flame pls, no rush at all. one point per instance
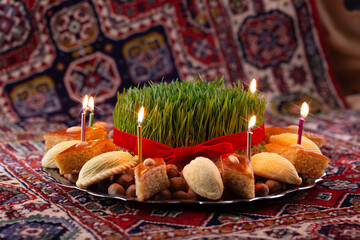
(252, 122)
(304, 110)
(85, 103)
(253, 86)
(91, 104)
(141, 115)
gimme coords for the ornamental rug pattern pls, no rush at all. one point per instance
(54, 52)
(33, 206)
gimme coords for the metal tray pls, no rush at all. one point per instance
(60, 180)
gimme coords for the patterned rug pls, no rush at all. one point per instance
(52, 53)
(33, 206)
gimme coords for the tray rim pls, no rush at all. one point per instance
(55, 176)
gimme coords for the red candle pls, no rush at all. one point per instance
(139, 132)
(304, 112)
(83, 118)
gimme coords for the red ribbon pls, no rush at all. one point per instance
(181, 156)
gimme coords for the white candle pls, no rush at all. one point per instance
(249, 133)
(83, 118)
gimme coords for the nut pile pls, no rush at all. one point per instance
(124, 185)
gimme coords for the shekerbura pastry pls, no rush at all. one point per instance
(271, 130)
(319, 141)
(104, 166)
(274, 166)
(204, 178)
(49, 158)
(306, 162)
(288, 139)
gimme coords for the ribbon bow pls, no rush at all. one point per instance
(212, 148)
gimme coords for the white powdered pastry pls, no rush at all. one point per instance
(104, 166)
(274, 166)
(49, 158)
(204, 178)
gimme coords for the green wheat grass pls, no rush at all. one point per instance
(188, 113)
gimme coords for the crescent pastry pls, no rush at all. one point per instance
(204, 178)
(49, 158)
(305, 162)
(271, 130)
(319, 141)
(274, 166)
(288, 139)
(104, 166)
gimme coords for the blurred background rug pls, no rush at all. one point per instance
(52, 53)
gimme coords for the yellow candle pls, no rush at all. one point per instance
(139, 133)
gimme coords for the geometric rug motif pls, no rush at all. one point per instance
(37, 226)
(330, 207)
(55, 52)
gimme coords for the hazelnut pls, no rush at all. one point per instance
(179, 195)
(172, 170)
(124, 180)
(233, 159)
(149, 162)
(163, 195)
(131, 191)
(177, 184)
(116, 190)
(273, 185)
(261, 189)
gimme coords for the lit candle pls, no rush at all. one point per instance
(249, 133)
(253, 86)
(139, 133)
(91, 109)
(83, 118)
(304, 112)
